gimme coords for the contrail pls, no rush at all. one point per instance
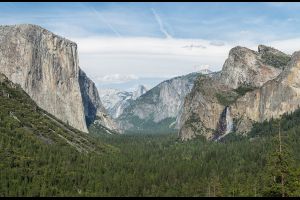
(103, 20)
(108, 24)
(161, 26)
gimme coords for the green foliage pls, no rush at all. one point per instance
(243, 89)
(37, 151)
(19, 113)
(281, 177)
(97, 128)
(278, 165)
(35, 161)
(227, 98)
(276, 60)
(191, 120)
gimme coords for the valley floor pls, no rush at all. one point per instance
(144, 165)
(35, 162)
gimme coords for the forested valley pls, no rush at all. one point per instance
(41, 156)
(156, 165)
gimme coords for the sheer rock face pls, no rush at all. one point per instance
(201, 109)
(273, 99)
(261, 71)
(93, 108)
(46, 67)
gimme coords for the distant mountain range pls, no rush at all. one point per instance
(115, 101)
(156, 111)
(205, 71)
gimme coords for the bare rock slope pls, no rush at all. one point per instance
(252, 87)
(46, 66)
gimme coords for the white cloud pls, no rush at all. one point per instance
(217, 43)
(122, 59)
(257, 20)
(288, 46)
(191, 46)
(198, 68)
(116, 78)
(148, 46)
(98, 15)
(147, 57)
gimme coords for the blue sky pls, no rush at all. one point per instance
(123, 44)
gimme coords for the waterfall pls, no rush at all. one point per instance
(225, 124)
(229, 122)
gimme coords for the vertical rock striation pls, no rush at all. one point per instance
(274, 98)
(46, 67)
(252, 86)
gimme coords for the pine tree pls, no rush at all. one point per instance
(215, 186)
(279, 168)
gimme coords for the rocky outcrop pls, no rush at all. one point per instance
(247, 67)
(139, 92)
(241, 89)
(46, 66)
(273, 57)
(158, 107)
(201, 109)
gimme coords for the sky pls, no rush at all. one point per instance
(122, 45)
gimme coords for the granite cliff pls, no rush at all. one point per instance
(93, 109)
(252, 87)
(46, 66)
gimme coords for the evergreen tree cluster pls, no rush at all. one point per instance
(36, 161)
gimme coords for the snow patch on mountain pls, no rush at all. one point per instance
(115, 101)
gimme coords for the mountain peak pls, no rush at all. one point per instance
(241, 52)
(262, 49)
(247, 67)
(115, 100)
(141, 89)
(273, 57)
(205, 71)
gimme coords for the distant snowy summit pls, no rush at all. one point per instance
(139, 92)
(115, 101)
(205, 71)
